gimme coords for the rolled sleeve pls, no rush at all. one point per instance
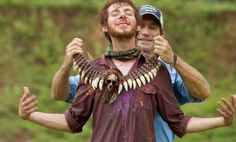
(80, 110)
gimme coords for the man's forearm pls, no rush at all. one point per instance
(194, 80)
(52, 121)
(60, 84)
(203, 124)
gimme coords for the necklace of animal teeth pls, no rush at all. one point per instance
(112, 81)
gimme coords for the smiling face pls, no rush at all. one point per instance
(149, 29)
(121, 22)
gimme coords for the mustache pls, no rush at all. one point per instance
(144, 38)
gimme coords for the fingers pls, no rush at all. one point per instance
(159, 39)
(33, 109)
(161, 44)
(75, 41)
(229, 105)
(163, 49)
(74, 47)
(221, 113)
(159, 48)
(74, 50)
(29, 103)
(226, 108)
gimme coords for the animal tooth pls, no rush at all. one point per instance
(112, 98)
(74, 63)
(120, 88)
(155, 70)
(134, 84)
(147, 77)
(154, 73)
(129, 83)
(142, 79)
(101, 84)
(125, 85)
(86, 80)
(138, 82)
(150, 75)
(82, 75)
(79, 71)
(95, 82)
(90, 81)
(75, 67)
(159, 65)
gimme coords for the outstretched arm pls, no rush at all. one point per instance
(52, 121)
(28, 111)
(60, 83)
(227, 112)
(194, 80)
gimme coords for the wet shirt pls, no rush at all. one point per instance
(131, 116)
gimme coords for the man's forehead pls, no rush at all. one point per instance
(151, 18)
(117, 6)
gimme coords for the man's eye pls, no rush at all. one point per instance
(129, 13)
(153, 27)
(114, 14)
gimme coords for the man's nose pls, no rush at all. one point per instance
(144, 31)
(122, 15)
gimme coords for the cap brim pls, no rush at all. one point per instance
(148, 13)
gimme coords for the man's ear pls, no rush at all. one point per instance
(163, 33)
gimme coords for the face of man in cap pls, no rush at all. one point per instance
(149, 29)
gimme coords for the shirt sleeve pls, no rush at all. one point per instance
(73, 82)
(167, 104)
(80, 109)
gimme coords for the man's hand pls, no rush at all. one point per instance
(27, 105)
(163, 49)
(227, 110)
(74, 47)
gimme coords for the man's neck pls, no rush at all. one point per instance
(123, 44)
(124, 66)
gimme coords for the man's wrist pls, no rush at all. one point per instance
(174, 59)
(66, 67)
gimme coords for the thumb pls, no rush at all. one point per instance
(26, 93)
(233, 97)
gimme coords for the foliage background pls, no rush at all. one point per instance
(33, 36)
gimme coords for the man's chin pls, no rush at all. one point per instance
(146, 48)
(123, 34)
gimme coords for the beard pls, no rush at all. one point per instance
(122, 33)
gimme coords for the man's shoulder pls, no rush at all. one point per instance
(98, 61)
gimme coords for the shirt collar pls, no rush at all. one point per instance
(107, 60)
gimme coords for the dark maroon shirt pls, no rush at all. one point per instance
(130, 118)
